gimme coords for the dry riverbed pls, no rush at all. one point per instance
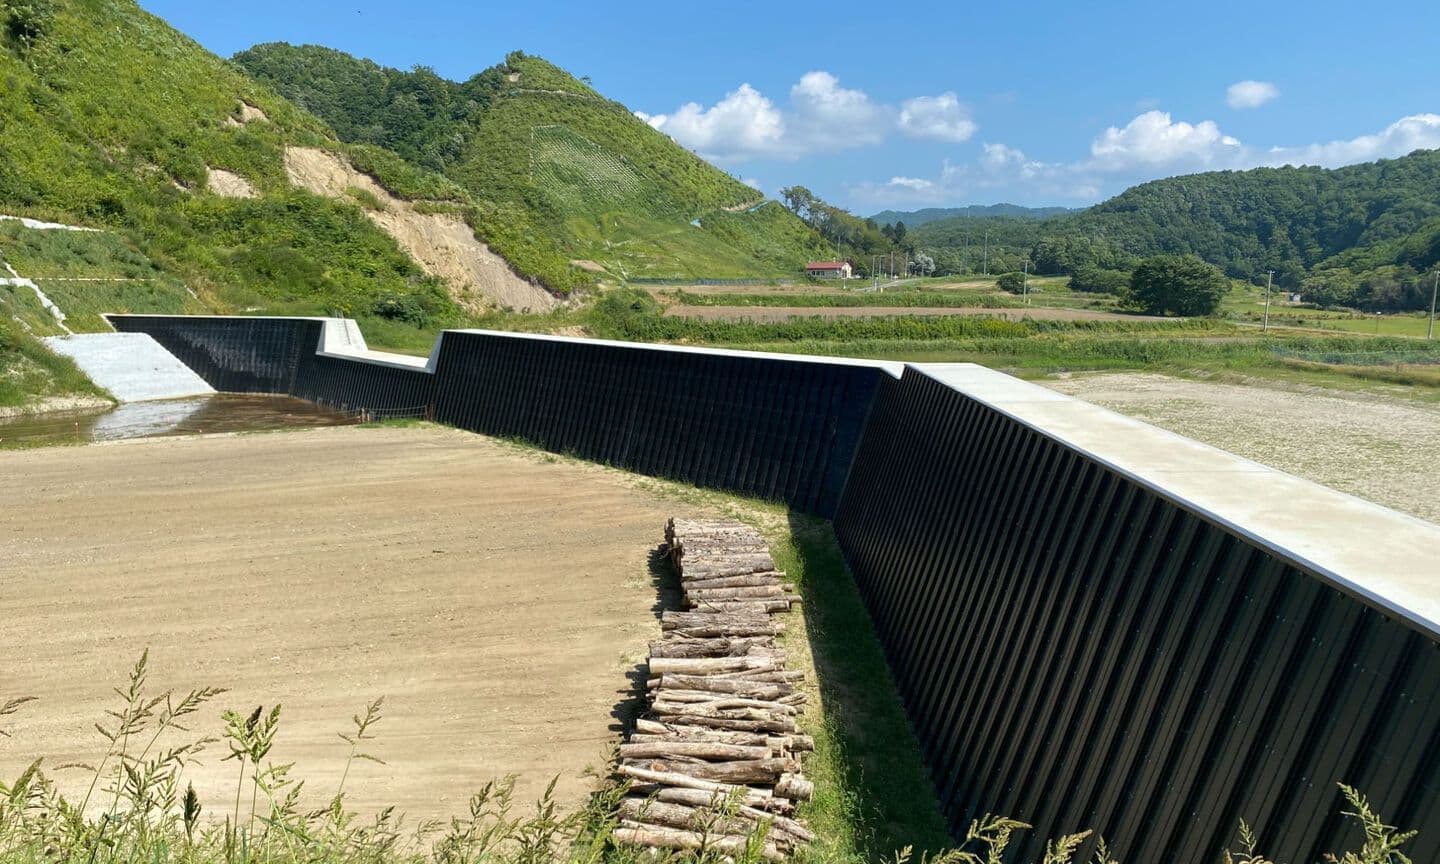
(495, 598)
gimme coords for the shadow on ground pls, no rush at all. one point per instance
(667, 598)
(887, 798)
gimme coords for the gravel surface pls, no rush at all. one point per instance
(1384, 449)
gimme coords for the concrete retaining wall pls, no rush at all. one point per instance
(1092, 622)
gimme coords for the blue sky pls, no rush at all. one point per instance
(876, 105)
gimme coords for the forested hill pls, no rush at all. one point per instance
(1379, 218)
(544, 149)
(1287, 219)
(111, 119)
(916, 218)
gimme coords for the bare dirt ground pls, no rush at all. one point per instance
(777, 314)
(496, 601)
(1384, 449)
(440, 242)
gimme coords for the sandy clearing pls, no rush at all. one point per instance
(1383, 449)
(774, 314)
(495, 600)
(441, 243)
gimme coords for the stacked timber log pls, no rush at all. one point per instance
(718, 752)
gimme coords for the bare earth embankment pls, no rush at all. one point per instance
(441, 242)
(495, 601)
(1383, 449)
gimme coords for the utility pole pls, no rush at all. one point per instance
(1025, 282)
(1434, 287)
(1269, 277)
(987, 253)
(965, 257)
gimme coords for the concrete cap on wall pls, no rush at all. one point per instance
(1387, 558)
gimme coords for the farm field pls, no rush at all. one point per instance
(773, 314)
(1381, 448)
(438, 569)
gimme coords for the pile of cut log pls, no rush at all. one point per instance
(718, 752)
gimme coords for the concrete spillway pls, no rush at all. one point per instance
(132, 366)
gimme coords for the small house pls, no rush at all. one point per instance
(828, 270)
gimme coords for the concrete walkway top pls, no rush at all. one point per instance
(1387, 557)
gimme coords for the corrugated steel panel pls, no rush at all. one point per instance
(761, 426)
(279, 355)
(1078, 652)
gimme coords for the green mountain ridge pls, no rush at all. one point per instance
(526, 138)
(111, 119)
(1377, 220)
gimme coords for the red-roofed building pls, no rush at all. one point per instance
(828, 269)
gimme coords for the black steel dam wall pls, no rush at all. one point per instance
(1078, 650)
(281, 356)
(1078, 644)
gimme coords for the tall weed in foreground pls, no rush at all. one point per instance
(134, 809)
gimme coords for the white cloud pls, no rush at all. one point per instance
(995, 157)
(1151, 145)
(826, 116)
(916, 183)
(822, 116)
(1153, 139)
(752, 183)
(1250, 94)
(1406, 135)
(744, 122)
(940, 118)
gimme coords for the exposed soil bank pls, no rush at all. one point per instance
(441, 243)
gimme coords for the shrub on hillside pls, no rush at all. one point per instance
(27, 20)
(419, 309)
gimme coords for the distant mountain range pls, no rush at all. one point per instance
(914, 218)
